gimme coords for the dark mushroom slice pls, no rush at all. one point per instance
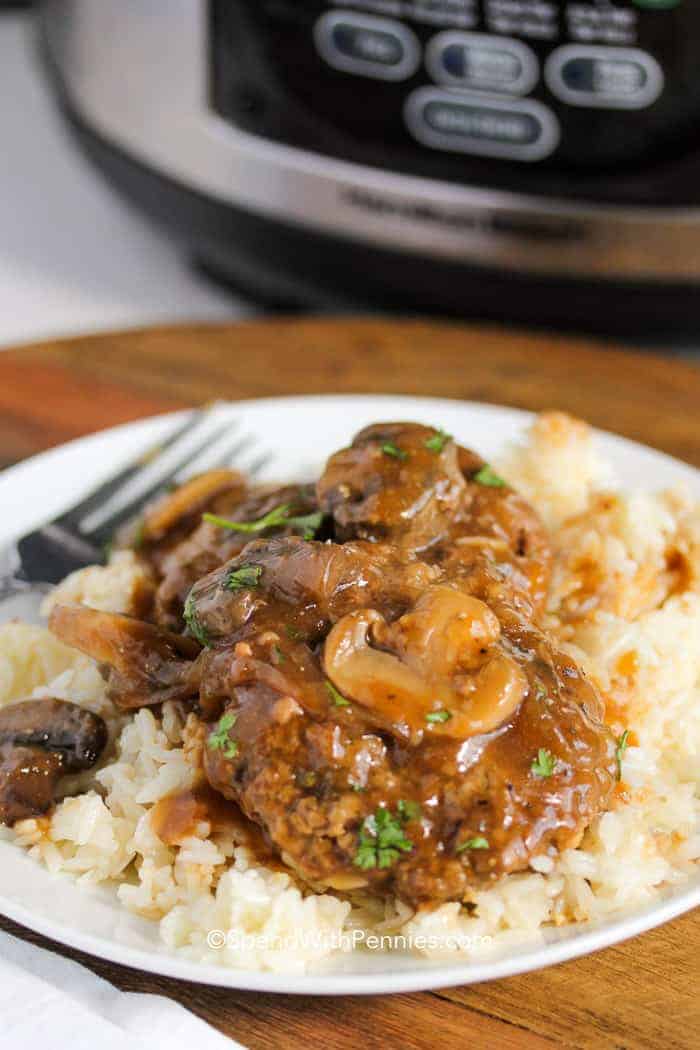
(393, 484)
(147, 664)
(40, 742)
(207, 546)
(55, 725)
(411, 485)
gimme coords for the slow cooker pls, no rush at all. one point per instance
(523, 159)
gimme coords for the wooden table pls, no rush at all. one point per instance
(641, 994)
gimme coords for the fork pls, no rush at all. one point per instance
(79, 536)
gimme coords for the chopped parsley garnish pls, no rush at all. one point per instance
(220, 740)
(390, 449)
(543, 765)
(622, 745)
(381, 841)
(194, 624)
(308, 523)
(278, 517)
(244, 577)
(278, 655)
(478, 842)
(337, 699)
(437, 442)
(292, 632)
(408, 810)
(439, 716)
(488, 476)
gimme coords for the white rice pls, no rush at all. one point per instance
(641, 645)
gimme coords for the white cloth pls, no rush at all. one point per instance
(48, 1000)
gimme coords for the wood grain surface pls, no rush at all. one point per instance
(641, 994)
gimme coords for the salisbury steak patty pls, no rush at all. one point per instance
(461, 745)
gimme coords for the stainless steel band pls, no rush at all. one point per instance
(138, 76)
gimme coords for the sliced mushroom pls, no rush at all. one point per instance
(40, 742)
(149, 665)
(397, 482)
(438, 671)
(188, 501)
(446, 630)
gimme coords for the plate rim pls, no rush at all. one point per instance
(165, 963)
(585, 938)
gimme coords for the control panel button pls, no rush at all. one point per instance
(367, 46)
(482, 63)
(604, 77)
(516, 129)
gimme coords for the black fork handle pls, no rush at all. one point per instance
(51, 553)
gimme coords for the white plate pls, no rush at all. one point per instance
(300, 432)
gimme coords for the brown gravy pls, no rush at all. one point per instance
(176, 817)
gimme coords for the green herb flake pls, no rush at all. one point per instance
(337, 699)
(219, 740)
(478, 842)
(194, 624)
(390, 449)
(278, 655)
(543, 765)
(275, 517)
(381, 841)
(437, 442)
(243, 578)
(292, 632)
(278, 517)
(408, 810)
(622, 745)
(488, 476)
(439, 716)
(309, 524)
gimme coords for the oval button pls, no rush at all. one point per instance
(517, 129)
(482, 63)
(604, 77)
(367, 46)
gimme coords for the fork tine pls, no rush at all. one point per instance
(226, 456)
(260, 463)
(103, 530)
(110, 487)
